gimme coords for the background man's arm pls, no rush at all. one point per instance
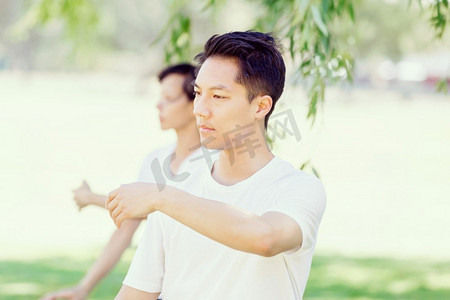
(118, 243)
(98, 200)
(83, 196)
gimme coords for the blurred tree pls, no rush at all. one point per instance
(318, 54)
(79, 17)
(319, 34)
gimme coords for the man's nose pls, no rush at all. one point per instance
(159, 105)
(201, 109)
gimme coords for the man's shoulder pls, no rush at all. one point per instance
(286, 169)
(294, 178)
(299, 190)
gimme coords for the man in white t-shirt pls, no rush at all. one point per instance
(245, 227)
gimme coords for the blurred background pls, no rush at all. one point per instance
(78, 96)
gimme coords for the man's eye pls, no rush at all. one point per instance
(219, 97)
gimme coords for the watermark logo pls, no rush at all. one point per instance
(240, 140)
(160, 173)
(283, 123)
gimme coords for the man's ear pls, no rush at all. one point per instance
(264, 104)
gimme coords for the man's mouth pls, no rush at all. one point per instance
(204, 128)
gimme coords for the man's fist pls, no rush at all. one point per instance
(83, 195)
(133, 201)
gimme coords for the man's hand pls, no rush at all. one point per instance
(73, 293)
(133, 201)
(83, 195)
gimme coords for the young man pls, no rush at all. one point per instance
(175, 112)
(245, 228)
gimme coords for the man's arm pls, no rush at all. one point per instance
(118, 243)
(83, 196)
(267, 235)
(127, 292)
(98, 200)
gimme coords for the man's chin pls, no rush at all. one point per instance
(210, 145)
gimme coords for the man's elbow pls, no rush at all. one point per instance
(129, 293)
(266, 250)
(270, 244)
(266, 245)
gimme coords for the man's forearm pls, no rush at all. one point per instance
(98, 200)
(221, 222)
(267, 235)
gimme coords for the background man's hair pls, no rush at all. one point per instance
(261, 66)
(185, 69)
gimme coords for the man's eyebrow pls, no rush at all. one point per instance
(217, 87)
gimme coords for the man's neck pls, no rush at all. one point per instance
(188, 140)
(235, 165)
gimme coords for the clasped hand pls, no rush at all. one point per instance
(133, 201)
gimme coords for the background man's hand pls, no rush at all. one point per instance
(83, 195)
(133, 201)
(73, 293)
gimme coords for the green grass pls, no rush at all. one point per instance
(335, 277)
(33, 279)
(332, 277)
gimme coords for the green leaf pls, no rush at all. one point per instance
(304, 165)
(318, 20)
(302, 6)
(163, 31)
(291, 46)
(315, 172)
(305, 63)
(312, 106)
(351, 12)
(442, 86)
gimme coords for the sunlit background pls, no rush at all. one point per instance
(82, 106)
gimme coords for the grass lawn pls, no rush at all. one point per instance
(332, 277)
(335, 277)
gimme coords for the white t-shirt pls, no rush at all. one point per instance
(183, 264)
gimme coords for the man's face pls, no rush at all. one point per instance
(221, 106)
(175, 109)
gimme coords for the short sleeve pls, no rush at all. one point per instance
(303, 199)
(146, 271)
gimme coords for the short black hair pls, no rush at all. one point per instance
(185, 69)
(262, 70)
